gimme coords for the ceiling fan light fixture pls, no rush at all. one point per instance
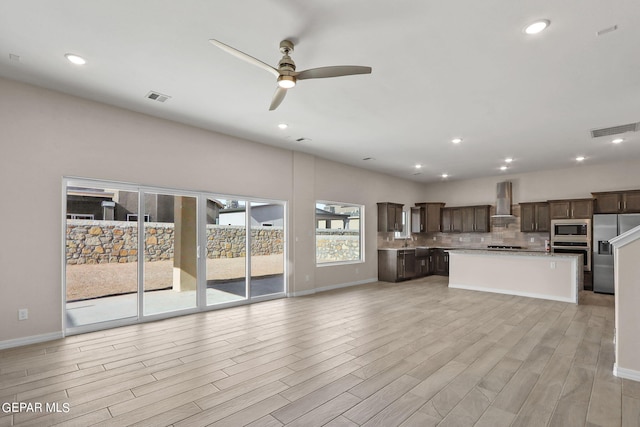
(286, 82)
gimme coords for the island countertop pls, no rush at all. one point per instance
(514, 252)
(525, 273)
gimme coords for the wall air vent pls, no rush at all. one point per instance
(157, 96)
(615, 130)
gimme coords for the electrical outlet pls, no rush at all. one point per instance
(533, 239)
(357, 270)
(306, 277)
(23, 314)
(434, 238)
(481, 239)
(553, 265)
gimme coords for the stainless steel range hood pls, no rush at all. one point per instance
(503, 200)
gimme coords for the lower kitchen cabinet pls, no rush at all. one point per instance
(440, 262)
(423, 267)
(396, 265)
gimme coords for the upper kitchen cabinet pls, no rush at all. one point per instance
(613, 202)
(452, 220)
(389, 217)
(475, 219)
(571, 209)
(426, 218)
(534, 217)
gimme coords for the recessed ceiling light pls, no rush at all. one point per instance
(283, 125)
(536, 27)
(75, 59)
(456, 140)
(444, 175)
(508, 160)
(617, 141)
(418, 166)
(503, 168)
(580, 158)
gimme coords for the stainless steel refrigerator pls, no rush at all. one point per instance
(605, 228)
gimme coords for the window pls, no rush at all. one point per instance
(338, 232)
(406, 227)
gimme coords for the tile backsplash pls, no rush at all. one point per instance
(504, 231)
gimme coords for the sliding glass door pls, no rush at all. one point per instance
(101, 254)
(267, 249)
(226, 254)
(170, 252)
(196, 252)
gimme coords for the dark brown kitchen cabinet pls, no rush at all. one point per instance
(475, 219)
(440, 262)
(534, 217)
(389, 217)
(571, 209)
(613, 202)
(452, 220)
(395, 265)
(426, 218)
(423, 267)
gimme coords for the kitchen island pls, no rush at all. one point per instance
(532, 274)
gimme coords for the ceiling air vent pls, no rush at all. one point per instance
(615, 130)
(157, 96)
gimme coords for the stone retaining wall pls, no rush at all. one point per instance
(337, 245)
(99, 242)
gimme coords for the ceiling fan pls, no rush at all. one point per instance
(286, 73)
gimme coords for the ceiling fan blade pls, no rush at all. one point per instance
(248, 58)
(337, 71)
(277, 98)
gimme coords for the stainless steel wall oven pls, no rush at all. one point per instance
(572, 236)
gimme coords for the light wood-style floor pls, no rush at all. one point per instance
(410, 354)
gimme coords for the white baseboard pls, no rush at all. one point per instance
(516, 293)
(34, 339)
(628, 374)
(332, 287)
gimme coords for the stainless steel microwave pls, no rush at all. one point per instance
(571, 230)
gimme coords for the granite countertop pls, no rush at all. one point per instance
(516, 252)
(446, 248)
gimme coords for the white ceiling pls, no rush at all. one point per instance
(441, 69)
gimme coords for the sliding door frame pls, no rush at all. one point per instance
(201, 288)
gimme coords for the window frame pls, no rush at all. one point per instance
(361, 236)
(406, 226)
